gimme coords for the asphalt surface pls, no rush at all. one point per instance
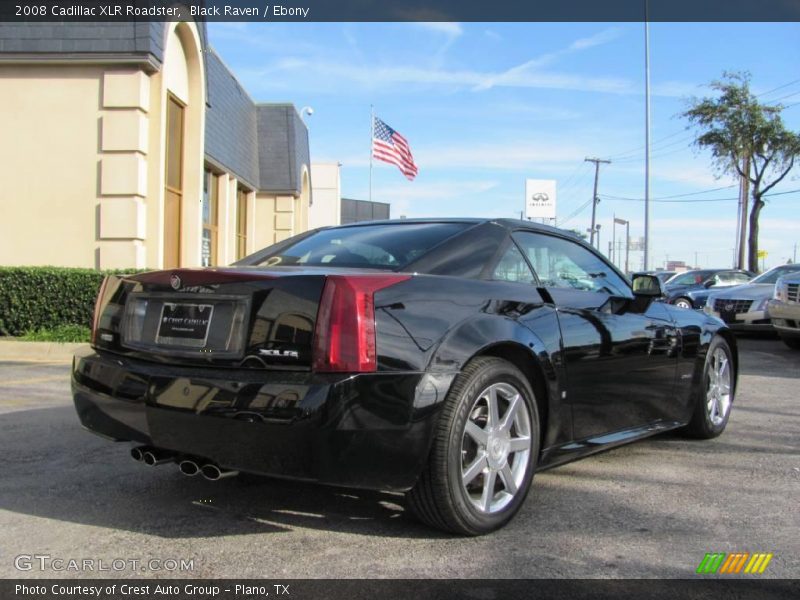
(651, 509)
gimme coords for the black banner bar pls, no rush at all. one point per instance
(399, 10)
(397, 589)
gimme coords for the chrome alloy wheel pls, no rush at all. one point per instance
(683, 303)
(718, 395)
(495, 448)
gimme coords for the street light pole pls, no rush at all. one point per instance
(618, 221)
(627, 244)
(613, 240)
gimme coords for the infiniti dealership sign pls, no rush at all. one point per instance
(540, 199)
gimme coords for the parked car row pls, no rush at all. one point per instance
(768, 302)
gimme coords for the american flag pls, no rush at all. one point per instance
(391, 147)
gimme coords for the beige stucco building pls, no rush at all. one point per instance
(132, 145)
(326, 189)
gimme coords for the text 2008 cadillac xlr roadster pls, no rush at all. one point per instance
(447, 358)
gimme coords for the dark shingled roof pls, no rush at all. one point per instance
(282, 149)
(231, 126)
(142, 39)
(264, 145)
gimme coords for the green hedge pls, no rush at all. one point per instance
(46, 298)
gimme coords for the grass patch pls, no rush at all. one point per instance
(60, 333)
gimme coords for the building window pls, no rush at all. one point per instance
(241, 223)
(173, 189)
(210, 219)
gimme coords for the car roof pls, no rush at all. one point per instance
(509, 224)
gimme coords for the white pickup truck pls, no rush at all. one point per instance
(784, 309)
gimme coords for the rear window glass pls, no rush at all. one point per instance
(773, 275)
(377, 246)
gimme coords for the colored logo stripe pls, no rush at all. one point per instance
(734, 563)
(759, 562)
(711, 562)
(722, 563)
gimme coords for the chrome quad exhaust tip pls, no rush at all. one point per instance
(155, 457)
(189, 467)
(214, 473)
(151, 456)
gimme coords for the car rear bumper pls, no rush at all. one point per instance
(368, 430)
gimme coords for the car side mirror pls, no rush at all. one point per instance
(648, 286)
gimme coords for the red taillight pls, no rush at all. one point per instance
(98, 307)
(344, 338)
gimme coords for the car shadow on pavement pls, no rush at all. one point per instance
(55, 469)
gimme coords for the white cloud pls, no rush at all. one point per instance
(515, 76)
(322, 73)
(333, 76)
(448, 28)
(598, 39)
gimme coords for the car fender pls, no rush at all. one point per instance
(530, 338)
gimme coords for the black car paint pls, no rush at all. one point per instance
(605, 370)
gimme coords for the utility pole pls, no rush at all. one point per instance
(744, 191)
(595, 199)
(646, 257)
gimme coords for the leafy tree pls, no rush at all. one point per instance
(746, 138)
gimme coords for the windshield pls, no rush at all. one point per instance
(689, 278)
(772, 275)
(372, 246)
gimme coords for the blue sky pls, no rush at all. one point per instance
(486, 105)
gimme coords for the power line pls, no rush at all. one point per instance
(780, 87)
(786, 96)
(607, 197)
(575, 213)
(654, 143)
(658, 154)
(636, 150)
(724, 187)
(693, 200)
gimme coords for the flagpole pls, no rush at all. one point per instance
(371, 137)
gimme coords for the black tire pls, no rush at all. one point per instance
(792, 342)
(702, 425)
(439, 499)
(686, 300)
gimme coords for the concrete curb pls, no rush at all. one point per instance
(11, 350)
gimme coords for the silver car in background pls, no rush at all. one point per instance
(744, 307)
(784, 309)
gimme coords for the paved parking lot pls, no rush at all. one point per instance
(652, 509)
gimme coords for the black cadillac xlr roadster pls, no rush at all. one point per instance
(447, 358)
